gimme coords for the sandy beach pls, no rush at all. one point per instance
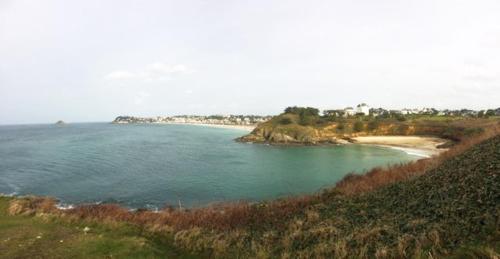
(415, 145)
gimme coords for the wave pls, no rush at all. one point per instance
(412, 151)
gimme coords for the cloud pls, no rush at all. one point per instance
(152, 72)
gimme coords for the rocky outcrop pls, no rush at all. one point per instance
(291, 135)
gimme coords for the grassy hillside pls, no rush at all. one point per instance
(453, 209)
(445, 206)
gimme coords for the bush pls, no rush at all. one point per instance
(473, 131)
(400, 117)
(373, 125)
(285, 121)
(305, 120)
(307, 115)
(340, 126)
(402, 129)
(306, 111)
(358, 126)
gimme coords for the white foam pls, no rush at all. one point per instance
(63, 206)
(412, 151)
(12, 194)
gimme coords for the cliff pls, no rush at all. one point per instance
(287, 129)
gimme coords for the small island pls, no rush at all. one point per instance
(60, 122)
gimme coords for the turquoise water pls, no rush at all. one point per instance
(154, 165)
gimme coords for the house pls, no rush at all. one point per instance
(378, 111)
(334, 113)
(409, 111)
(363, 109)
(349, 111)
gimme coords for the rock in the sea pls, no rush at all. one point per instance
(60, 122)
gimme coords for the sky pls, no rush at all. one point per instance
(93, 60)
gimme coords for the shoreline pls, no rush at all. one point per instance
(424, 147)
(247, 128)
(412, 145)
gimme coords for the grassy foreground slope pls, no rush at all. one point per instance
(452, 210)
(48, 236)
(447, 206)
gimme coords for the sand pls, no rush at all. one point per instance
(414, 145)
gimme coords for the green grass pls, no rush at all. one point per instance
(46, 236)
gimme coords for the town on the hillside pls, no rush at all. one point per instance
(364, 109)
(195, 119)
(360, 110)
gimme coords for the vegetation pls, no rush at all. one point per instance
(23, 235)
(443, 206)
(358, 126)
(304, 125)
(307, 116)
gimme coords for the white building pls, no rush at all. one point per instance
(363, 108)
(409, 111)
(349, 111)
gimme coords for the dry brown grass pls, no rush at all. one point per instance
(221, 217)
(30, 205)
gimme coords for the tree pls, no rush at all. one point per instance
(306, 111)
(490, 112)
(307, 115)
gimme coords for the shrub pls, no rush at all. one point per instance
(400, 117)
(373, 125)
(358, 126)
(473, 131)
(307, 111)
(285, 121)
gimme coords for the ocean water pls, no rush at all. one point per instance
(156, 165)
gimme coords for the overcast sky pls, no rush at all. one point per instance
(93, 60)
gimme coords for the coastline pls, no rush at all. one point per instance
(413, 145)
(247, 128)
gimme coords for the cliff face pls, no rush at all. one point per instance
(285, 129)
(293, 133)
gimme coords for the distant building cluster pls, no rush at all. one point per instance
(364, 109)
(193, 119)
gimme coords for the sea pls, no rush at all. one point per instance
(157, 165)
